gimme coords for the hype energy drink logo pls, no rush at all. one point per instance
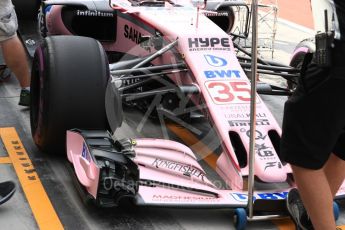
(241, 197)
(209, 44)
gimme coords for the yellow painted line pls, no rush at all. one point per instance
(284, 224)
(195, 144)
(211, 159)
(37, 197)
(5, 160)
(341, 227)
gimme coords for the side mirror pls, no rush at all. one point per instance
(232, 16)
(202, 5)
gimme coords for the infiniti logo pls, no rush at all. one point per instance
(215, 61)
(94, 13)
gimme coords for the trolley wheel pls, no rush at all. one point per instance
(336, 210)
(240, 218)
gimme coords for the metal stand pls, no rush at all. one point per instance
(252, 137)
(267, 20)
(266, 27)
(252, 108)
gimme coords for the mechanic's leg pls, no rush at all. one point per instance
(15, 58)
(335, 173)
(316, 196)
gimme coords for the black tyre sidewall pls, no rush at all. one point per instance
(68, 89)
(298, 58)
(26, 9)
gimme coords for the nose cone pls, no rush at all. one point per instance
(270, 171)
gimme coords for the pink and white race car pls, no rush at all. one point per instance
(171, 57)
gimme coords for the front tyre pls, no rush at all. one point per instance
(304, 48)
(26, 9)
(68, 82)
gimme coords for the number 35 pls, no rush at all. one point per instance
(224, 92)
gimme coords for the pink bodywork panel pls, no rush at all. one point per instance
(225, 89)
(224, 86)
(85, 168)
(183, 181)
(54, 23)
(174, 164)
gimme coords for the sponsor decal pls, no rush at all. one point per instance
(48, 9)
(258, 135)
(263, 151)
(94, 13)
(215, 13)
(215, 61)
(174, 198)
(241, 197)
(222, 73)
(226, 92)
(273, 164)
(128, 82)
(207, 44)
(85, 153)
(243, 115)
(187, 170)
(241, 123)
(238, 108)
(132, 34)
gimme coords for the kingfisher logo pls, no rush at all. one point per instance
(187, 170)
(215, 61)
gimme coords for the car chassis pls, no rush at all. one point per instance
(201, 70)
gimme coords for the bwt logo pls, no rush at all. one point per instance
(215, 61)
(262, 196)
(208, 42)
(222, 73)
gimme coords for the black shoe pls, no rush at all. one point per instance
(24, 97)
(7, 190)
(297, 211)
(5, 73)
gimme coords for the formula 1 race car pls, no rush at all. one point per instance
(170, 60)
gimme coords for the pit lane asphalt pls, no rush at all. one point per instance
(73, 214)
